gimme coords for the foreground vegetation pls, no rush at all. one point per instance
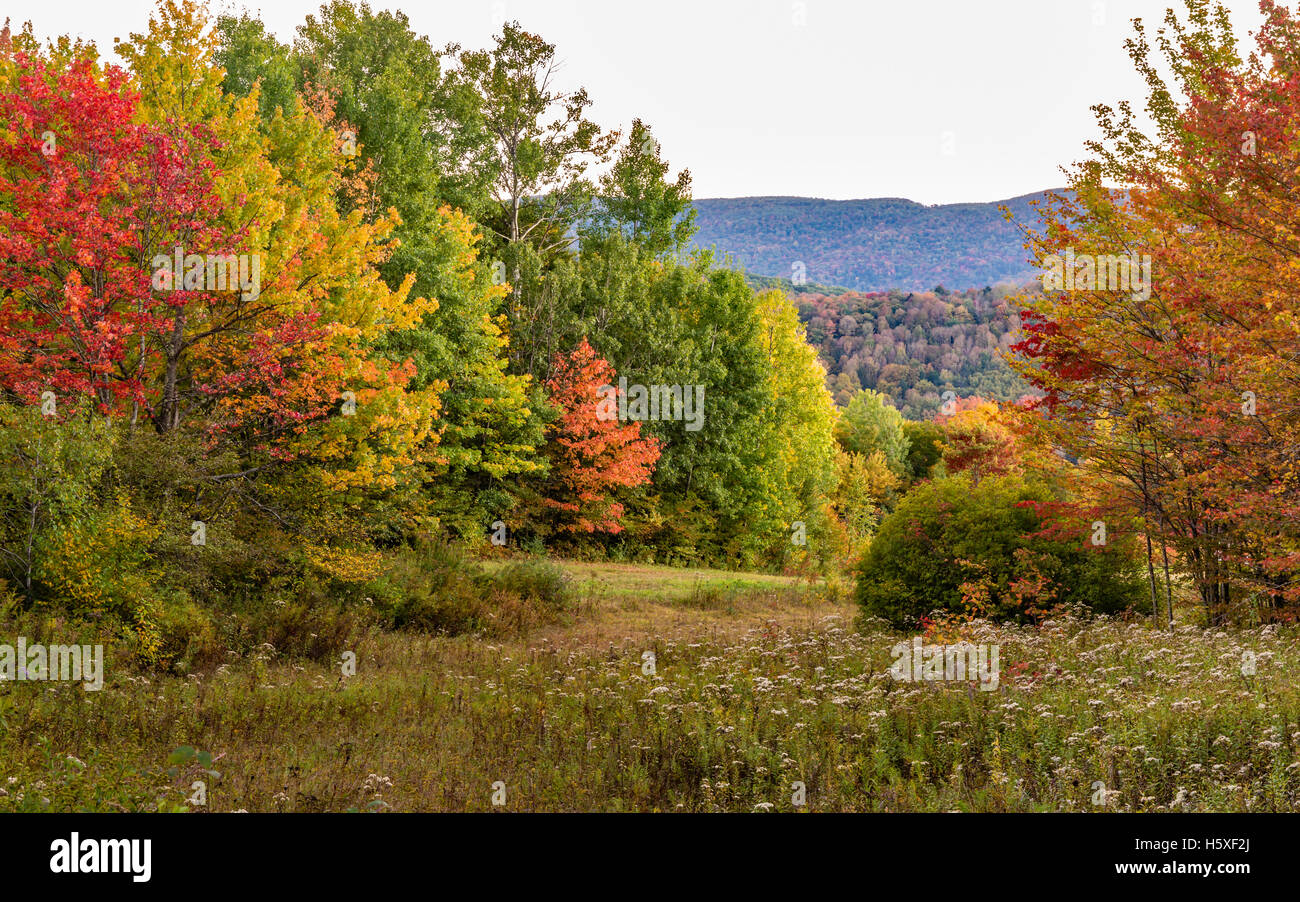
(752, 690)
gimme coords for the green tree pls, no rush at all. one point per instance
(414, 123)
(924, 447)
(541, 140)
(490, 423)
(638, 201)
(870, 423)
(253, 59)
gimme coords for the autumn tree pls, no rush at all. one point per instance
(330, 433)
(277, 359)
(1180, 392)
(801, 429)
(866, 490)
(593, 454)
(975, 440)
(381, 88)
(92, 194)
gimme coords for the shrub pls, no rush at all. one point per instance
(963, 547)
(96, 568)
(190, 640)
(537, 580)
(310, 628)
(50, 475)
(429, 587)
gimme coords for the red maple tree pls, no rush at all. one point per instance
(92, 195)
(592, 454)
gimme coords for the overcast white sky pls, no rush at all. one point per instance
(939, 101)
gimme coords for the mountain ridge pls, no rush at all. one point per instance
(871, 244)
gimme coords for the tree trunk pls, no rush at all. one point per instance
(1151, 578)
(1169, 591)
(169, 413)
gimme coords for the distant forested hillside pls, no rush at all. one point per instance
(869, 245)
(913, 346)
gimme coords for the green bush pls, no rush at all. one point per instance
(434, 587)
(311, 628)
(430, 587)
(537, 580)
(950, 538)
(51, 474)
(190, 638)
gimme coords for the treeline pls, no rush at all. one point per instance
(279, 321)
(915, 346)
(285, 329)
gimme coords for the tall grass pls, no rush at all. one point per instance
(1142, 719)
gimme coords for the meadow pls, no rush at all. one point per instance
(756, 684)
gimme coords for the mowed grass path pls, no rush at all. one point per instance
(624, 601)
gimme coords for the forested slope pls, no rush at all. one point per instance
(870, 245)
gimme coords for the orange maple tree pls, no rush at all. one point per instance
(592, 455)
